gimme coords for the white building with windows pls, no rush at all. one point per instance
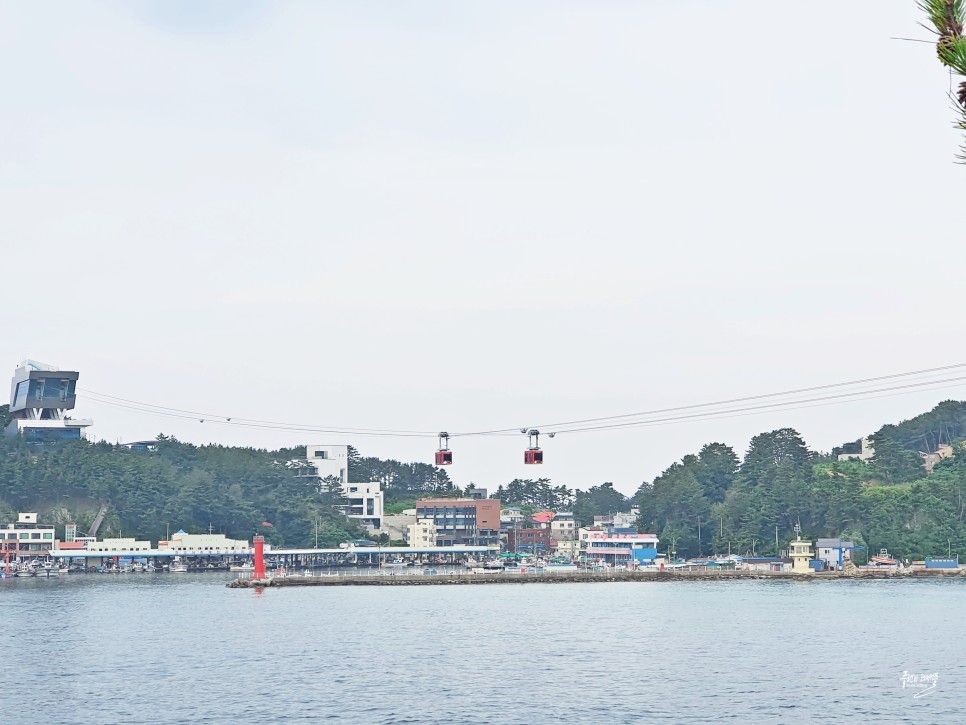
(329, 461)
(563, 526)
(364, 501)
(184, 543)
(422, 533)
(118, 545)
(26, 538)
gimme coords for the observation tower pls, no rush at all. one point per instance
(41, 395)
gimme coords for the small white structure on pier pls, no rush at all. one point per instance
(801, 553)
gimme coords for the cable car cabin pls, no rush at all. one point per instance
(444, 458)
(533, 456)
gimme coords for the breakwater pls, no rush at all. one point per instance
(416, 579)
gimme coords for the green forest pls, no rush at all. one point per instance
(712, 501)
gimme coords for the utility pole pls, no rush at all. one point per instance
(699, 536)
(777, 552)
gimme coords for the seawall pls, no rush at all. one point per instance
(407, 579)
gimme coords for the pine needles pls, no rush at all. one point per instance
(948, 18)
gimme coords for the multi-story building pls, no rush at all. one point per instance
(531, 541)
(564, 526)
(618, 549)
(471, 522)
(509, 517)
(364, 501)
(621, 519)
(26, 538)
(568, 548)
(422, 533)
(329, 461)
(40, 397)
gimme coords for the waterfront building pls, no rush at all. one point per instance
(115, 545)
(472, 522)
(531, 541)
(421, 533)
(40, 397)
(947, 562)
(26, 538)
(184, 543)
(603, 547)
(834, 552)
(801, 553)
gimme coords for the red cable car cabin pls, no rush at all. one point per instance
(533, 456)
(444, 456)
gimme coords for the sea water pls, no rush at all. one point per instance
(182, 648)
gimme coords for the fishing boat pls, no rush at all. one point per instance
(395, 563)
(178, 566)
(241, 567)
(883, 559)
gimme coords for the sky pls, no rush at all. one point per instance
(432, 216)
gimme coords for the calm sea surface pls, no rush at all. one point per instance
(170, 648)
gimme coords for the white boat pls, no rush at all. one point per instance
(242, 567)
(178, 567)
(397, 562)
(63, 568)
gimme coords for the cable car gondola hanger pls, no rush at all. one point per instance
(444, 456)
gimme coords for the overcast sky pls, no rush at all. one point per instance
(465, 216)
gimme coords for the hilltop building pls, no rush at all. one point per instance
(40, 397)
(364, 501)
(329, 461)
(867, 451)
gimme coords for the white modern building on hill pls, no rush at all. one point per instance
(329, 461)
(364, 501)
(41, 395)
